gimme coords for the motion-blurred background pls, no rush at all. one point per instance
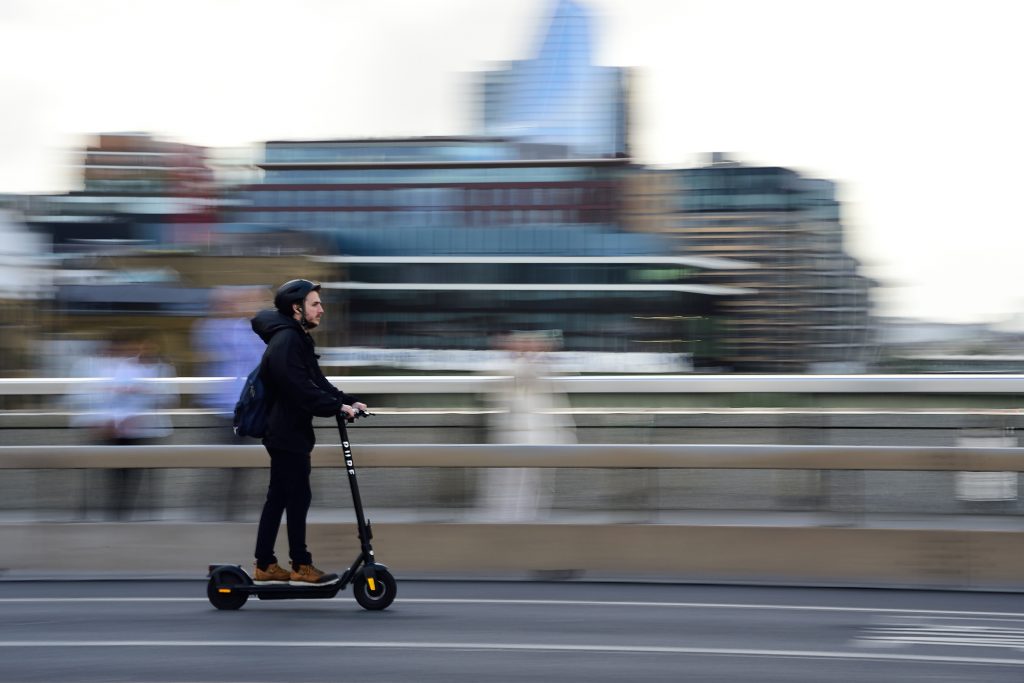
(541, 191)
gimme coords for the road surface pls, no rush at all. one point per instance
(448, 631)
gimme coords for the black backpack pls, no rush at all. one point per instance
(253, 406)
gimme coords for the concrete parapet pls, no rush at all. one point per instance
(956, 559)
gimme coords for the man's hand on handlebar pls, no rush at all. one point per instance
(357, 409)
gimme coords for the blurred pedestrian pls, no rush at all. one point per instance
(87, 408)
(297, 390)
(227, 348)
(85, 404)
(136, 414)
(529, 411)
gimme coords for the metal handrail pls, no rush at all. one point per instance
(677, 384)
(689, 456)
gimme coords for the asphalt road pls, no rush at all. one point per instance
(450, 631)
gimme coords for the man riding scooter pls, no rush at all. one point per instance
(298, 391)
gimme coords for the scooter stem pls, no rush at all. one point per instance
(363, 526)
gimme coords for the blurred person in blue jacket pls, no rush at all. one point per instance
(227, 347)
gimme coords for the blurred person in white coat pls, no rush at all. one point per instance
(528, 411)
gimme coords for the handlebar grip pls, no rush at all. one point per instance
(359, 413)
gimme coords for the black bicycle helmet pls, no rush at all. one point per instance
(293, 292)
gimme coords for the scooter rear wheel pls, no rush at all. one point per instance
(227, 601)
(381, 595)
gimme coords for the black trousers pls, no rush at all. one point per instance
(289, 491)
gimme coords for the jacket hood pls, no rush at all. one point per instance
(269, 322)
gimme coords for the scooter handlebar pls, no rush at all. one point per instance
(359, 413)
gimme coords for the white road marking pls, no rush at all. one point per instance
(518, 647)
(959, 632)
(952, 614)
(721, 605)
(109, 599)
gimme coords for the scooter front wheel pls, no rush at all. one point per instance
(380, 595)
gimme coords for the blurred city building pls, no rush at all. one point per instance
(443, 196)
(25, 276)
(811, 311)
(141, 244)
(140, 192)
(448, 241)
(542, 222)
(164, 292)
(137, 189)
(656, 305)
(559, 95)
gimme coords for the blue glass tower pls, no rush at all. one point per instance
(559, 95)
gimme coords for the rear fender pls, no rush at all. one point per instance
(217, 572)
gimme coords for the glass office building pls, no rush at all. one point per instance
(398, 197)
(653, 304)
(445, 249)
(811, 311)
(559, 95)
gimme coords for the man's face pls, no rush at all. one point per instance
(313, 309)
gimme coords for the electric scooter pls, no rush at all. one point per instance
(373, 586)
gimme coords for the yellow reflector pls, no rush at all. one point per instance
(223, 590)
(370, 583)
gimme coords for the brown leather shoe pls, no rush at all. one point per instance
(274, 573)
(307, 574)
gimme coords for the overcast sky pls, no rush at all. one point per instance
(912, 106)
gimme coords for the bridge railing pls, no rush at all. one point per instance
(583, 384)
(764, 462)
(836, 549)
(597, 456)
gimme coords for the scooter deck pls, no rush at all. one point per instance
(273, 591)
(288, 592)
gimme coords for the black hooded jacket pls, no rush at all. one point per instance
(295, 383)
